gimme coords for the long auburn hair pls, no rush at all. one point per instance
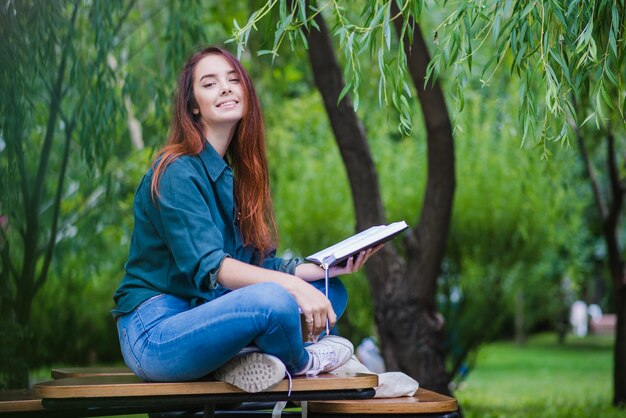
(246, 152)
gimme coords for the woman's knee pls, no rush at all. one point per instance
(275, 298)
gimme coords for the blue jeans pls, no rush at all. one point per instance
(165, 339)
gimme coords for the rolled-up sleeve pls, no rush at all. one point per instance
(285, 265)
(186, 224)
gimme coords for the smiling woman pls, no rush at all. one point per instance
(203, 291)
(220, 100)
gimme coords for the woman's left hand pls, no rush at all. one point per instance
(354, 264)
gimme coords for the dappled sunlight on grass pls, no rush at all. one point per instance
(542, 379)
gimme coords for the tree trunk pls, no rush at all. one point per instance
(611, 226)
(520, 317)
(410, 328)
(426, 247)
(610, 213)
(619, 355)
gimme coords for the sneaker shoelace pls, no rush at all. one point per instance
(290, 382)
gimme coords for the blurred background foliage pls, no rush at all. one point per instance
(522, 247)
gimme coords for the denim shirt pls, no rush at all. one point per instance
(180, 241)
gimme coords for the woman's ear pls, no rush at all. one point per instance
(195, 111)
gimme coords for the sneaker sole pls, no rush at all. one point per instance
(253, 372)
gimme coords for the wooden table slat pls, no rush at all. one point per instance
(19, 400)
(63, 372)
(424, 401)
(130, 385)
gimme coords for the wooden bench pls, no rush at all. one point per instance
(424, 403)
(20, 402)
(96, 394)
(27, 402)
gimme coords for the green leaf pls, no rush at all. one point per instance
(613, 43)
(584, 38)
(559, 60)
(459, 94)
(302, 12)
(591, 115)
(610, 75)
(344, 91)
(387, 26)
(606, 97)
(529, 8)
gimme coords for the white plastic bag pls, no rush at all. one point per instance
(390, 384)
(395, 384)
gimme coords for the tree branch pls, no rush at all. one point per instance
(347, 128)
(55, 105)
(79, 214)
(615, 181)
(69, 129)
(9, 272)
(591, 174)
(56, 209)
(18, 151)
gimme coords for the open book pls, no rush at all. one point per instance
(345, 249)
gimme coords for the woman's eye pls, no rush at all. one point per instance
(234, 80)
(209, 85)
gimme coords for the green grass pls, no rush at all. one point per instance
(541, 379)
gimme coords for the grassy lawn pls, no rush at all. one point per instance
(542, 379)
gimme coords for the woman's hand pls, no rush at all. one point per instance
(354, 264)
(315, 307)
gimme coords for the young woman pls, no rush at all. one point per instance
(202, 281)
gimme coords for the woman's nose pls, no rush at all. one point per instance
(225, 88)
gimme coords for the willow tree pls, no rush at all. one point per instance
(60, 106)
(570, 60)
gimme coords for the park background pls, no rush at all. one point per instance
(86, 96)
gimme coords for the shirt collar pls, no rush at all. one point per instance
(213, 161)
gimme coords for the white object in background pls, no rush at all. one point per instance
(595, 312)
(578, 318)
(370, 356)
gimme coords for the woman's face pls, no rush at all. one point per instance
(219, 93)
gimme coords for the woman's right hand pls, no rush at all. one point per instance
(315, 307)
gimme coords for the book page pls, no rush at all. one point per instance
(360, 241)
(347, 242)
(365, 241)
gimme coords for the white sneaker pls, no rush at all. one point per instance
(327, 354)
(253, 372)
